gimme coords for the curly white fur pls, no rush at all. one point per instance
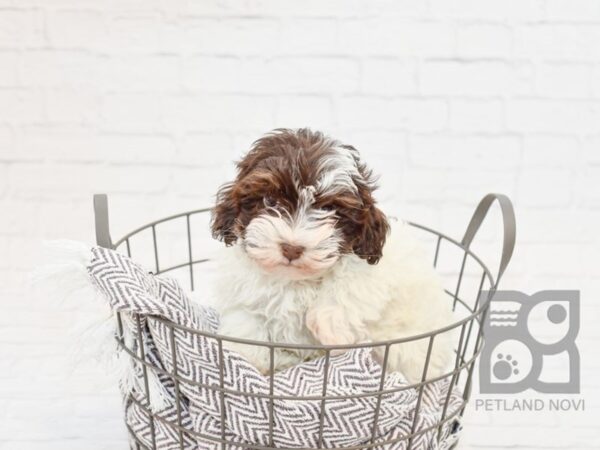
(348, 303)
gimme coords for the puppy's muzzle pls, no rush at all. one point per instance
(291, 252)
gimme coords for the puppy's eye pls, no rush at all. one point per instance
(327, 208)
(269, 201)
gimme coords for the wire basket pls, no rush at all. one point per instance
(470, 287)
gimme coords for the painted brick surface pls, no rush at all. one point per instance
(151, 102)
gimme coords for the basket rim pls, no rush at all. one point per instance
(481, 307)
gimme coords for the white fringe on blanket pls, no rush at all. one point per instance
(65, 282)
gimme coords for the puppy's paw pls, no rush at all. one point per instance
(329, 326)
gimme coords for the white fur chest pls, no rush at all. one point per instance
(257, 306)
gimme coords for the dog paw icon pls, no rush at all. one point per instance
(510, 362)
(505, 367)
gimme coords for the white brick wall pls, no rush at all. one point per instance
(151, 101)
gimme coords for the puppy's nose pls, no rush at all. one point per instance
(291, 251)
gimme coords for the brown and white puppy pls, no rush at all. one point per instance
(309, 262)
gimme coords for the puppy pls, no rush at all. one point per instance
(310, 262)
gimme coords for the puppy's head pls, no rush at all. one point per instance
(300, 200)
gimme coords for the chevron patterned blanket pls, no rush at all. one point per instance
(147, 302)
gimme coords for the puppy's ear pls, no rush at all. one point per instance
(224, 215)
(373, 227)
(372, 235)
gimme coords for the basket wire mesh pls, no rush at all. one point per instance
(468, 328)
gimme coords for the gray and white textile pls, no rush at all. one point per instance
(131, 290)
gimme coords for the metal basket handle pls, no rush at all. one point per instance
(101, 219)
(509, 224)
